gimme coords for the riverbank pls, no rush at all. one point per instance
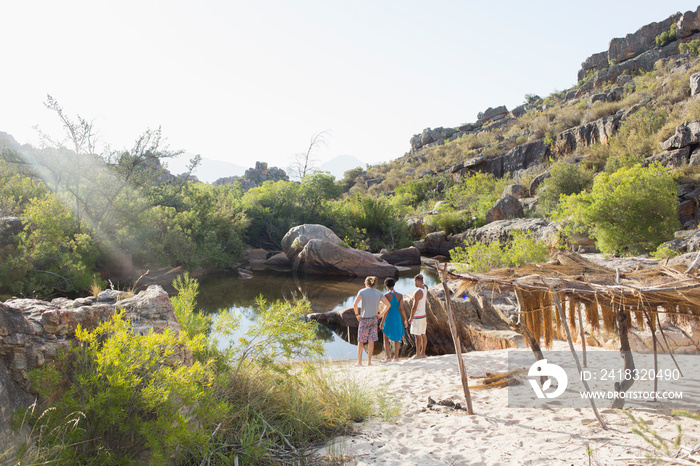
(496, 434)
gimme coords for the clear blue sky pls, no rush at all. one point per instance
(242, 81)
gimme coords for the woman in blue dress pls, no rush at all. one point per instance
(394, 320)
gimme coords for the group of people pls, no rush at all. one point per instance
(391, 318)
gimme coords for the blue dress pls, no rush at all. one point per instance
(393, 327)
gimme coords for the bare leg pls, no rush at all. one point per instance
(424, 341)
(396, 349)
(359, 353)
(387, 347)
(370, 350)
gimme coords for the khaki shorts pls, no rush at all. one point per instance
(419, 326)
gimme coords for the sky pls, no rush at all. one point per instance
(245, 81)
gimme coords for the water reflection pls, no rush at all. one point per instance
(325, 294)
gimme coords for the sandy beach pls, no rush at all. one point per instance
(495, 434)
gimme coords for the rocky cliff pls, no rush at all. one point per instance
(33, 332)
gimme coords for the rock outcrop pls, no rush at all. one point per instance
(254, 177)
(33, 332)
(638, 51)
(587, 134)
(316, 250)
(491, 115)
(636, 43)
(501, 231)
(518, 158)
(686, 134)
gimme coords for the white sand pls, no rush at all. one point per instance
(496, 434)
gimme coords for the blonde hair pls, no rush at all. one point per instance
(371, 281)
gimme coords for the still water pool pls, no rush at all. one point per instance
(325, 294)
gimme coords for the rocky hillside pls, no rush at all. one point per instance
(506, 143)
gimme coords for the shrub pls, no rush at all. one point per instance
(628, 212)
(666, 36)
(565, 179)
(450, 221)
(127, 394)
(692, 48)
(54, 254)
(477, 194)
(522, 249)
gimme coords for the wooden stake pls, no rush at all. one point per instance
(582, 333)
(626, 352)
(456, 339)
(656, 360)
(573, 352)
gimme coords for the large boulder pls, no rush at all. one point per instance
(316, 250)
(493, 114)
(319, 257)
(437, 244)
(298, 237)
(403, 257)
(686, 134)
(518, 191)
(279, 262)
(506, 208)
(501, 231)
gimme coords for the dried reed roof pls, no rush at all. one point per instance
(598, 290)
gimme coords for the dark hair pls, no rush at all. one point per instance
(389, 282)
(418, 277)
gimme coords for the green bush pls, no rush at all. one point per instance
(371, 223)
(628, 212)
(54, 254)
(565, 178)
(449, 221)
(477, 194)
(666, 36)
(692, 48)
(126, 395)
(522, 249)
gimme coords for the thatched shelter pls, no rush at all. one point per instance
(570, 288)
(601, 293)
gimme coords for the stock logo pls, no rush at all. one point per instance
(552, 372)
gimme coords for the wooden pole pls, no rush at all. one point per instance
(582, 333)
(626, 351)
(573, 352)
(656, 359)
(457, 343)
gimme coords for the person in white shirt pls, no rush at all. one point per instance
(368, 317)
(418, 320)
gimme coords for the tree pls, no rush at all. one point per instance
(304, 163)
(628, 212)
